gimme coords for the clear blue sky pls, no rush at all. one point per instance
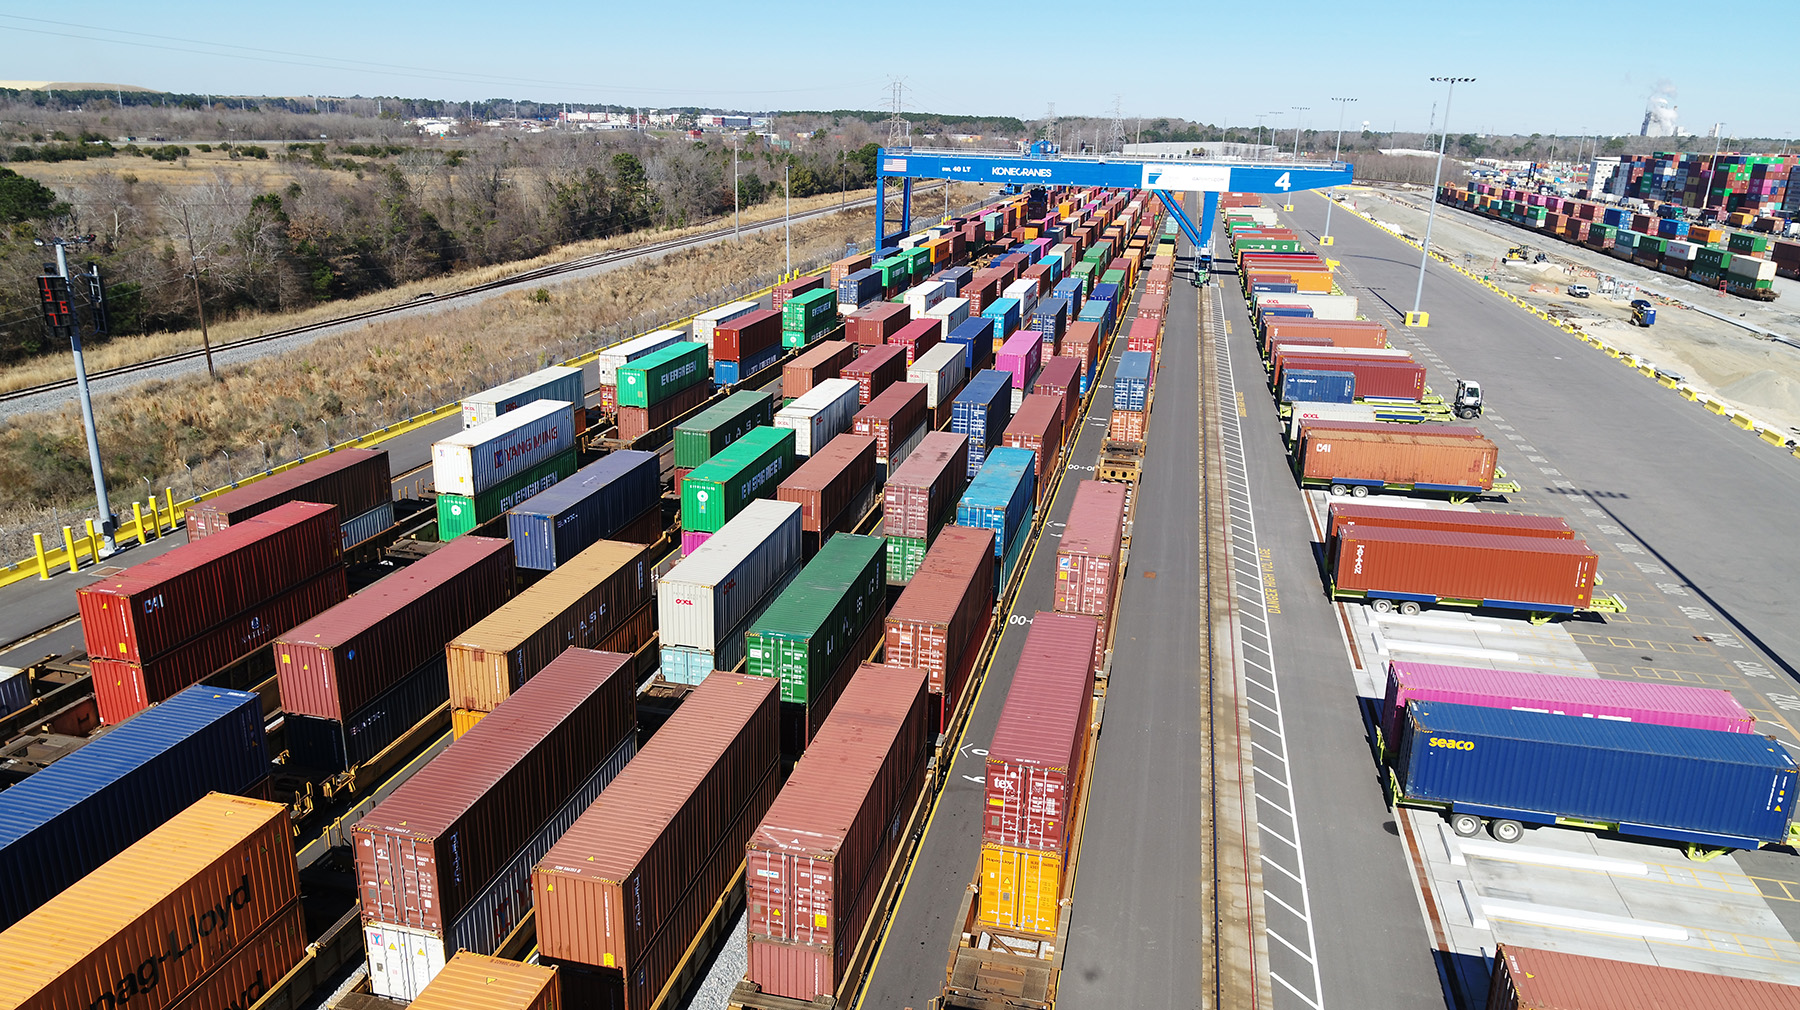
(1212, 62)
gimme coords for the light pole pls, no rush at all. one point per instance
(1297, 110)
(107, 522)
(737, 232)
(787, 222)
(1712, 170)
(1336, 150)
(1415, 317)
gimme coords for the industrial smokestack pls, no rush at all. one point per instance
(1660, 111)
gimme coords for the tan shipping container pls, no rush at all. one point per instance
(1528, 979)
(579, 604)
(255, 968)
(155, 919)
(473, 981)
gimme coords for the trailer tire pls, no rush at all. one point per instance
(1409, 608)
(1382, 606)
(1465, 825)
(1506, 831)
(1359, 491)
(1339, 490)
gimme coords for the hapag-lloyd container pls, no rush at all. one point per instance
(608, 361)
(1019, 357)
(706, 322)
(802, 638)
(1504, 523)
(64, 821)
(336, 663)
(1581, 697)
(1528, 979)
(154, 606)
(255, 967)
(976, 336)
(1041, 737)
(918, 336)
(895, 419)
(558, 382)
(923, 489)
(714, 590)
(820, 415)
(1087, 556)
(625, 890)
(873, 326)
(748, 469)
(1061, 378)
(653, 378)
(180, 901)
(800, 375)
(471, 981)
(601, 500)
(1429, 460)
(701, 437)
(1520, 573)
(941, 370)
(981, 411)
(815, 863)
(940, 616)
(475, 459)
(355, 480)
(747, 338)
(1037, 427)
(830, 482)
(875, 371)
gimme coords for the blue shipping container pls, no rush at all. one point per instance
(730, 373)
(1070, 289)
(859, 288)
(1286, 311)
(1051, 317)
(1131, 381)
(1689, 785)
(328, 745)
(982, 411)
(1005, 313)
(976, 334)
(601, 499)
(15, 689)
(1105, 293)
(1300, 385)
(1000, 497)
(1274, 288)
(1099, 311)
(958, 278)
(58, 825)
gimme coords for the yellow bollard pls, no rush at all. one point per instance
(169, 494)
(69, 545)
(93, 545)
(155, 518)
(138, 512)
(43, 560)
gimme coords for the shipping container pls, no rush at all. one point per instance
(333, 745)
(703, 436)
(1132, 381)
(1037, 427)
(1088, 557)
(1310, 385)
(1468, 569)
(623, 892)
(800, 375)
(600, 500)
(748, 469)
(801, 640)
(472, 981)
(608, 361)
(1061, 378)
(1000, 498)
(1376, 378)
(1005, 314)
(821, 414)
(976, 335)
(921, 493)
(846, 266)
(476, 459)
(782, 292)
(1504, 523)
(748, 337)
(809, 316)
(832, 483)
(153, 920)
(857, 290)
(363, 528)
(15, 690)
(873, 326)
(942, 371)
(940, 619)
(558, 382)
(1041, 738)
(1019, 357)
(1341, 333)
(253, 969)
(875, 370)
(896, 420)
(717, 588)
(952, 312)
(737, 373)
(686, 664)
(459, 514)
(981, 411)
(707, 322)
(1424, 460)
(1020, 889)
(920, 298)
(917, 337)
(355, 480)
(338, 662)
(636, 422)
(653, 378)
(1528, 979)
(1082, 342)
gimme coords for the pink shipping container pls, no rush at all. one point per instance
(1061, 378)
(1020, 356)
(938, 621)
(1581, 697)
(874, 371)
(691, 541)
(339, 661)
(831, 482)
(892, 417)
(355, 480)
(918, 336)
(154, 606)
(1042, 736)
(873, 326)
(925, 485)
(815, 863)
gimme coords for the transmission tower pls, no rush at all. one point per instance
(899, 130)
(1115, 141)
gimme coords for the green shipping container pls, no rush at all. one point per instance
(896, 271)
(1084, 271)
(701, 437)
(458, 514)
(810, 312)
(1114, 277)
(806, 632)
(1745, 242)
(651, 379)
(750, 468)
(904, 555)
(919, 262)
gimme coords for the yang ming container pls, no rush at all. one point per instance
(748, 469)
(802, 639)
(704, 601)
(834, 485)
(703, 436)
(61, 823)
(1041, 738)
(476, 459)
(939, 620)
(355, 480)
(558, 382)
(981, 412)
(601, 501)
(820, 415)
(653, 378)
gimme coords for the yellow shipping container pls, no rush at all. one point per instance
(1020, 888)
(478, 982)
(463, 720)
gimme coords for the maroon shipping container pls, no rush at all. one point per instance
(1520, 572)
(748, 335)
(815, 366)
(1292, 343)
(1061, 378)
(339, 661)
(636, 422)
(801, 722)
(873, 326)
(1087, 557)
(123, 689)
(355, 480)
(814, 864)
(424, 853)
(1154, 305)
(155, 605)
(1038, 426)
(940, 617)
(1042, 736)
(1335, 452)
(782, 292)
(892, 417)
(919, 336)
(1502, 523)
(1456, 431)
(982, 290)
(621, 895)
(830, 482)
(1528, 979)
(1387, 378)
(1040, 272)
(925, 485)
(874, 371)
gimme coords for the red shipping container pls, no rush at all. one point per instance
(429, 849)
(815, 366)
(1087, 556)
(1503, 523)
(815, 863)
(1128, 425)
(1061, 377)
(1342, 332)
(892, 417)
(849, 265)
(1039, 272)
(1386, 378)
(830, 482)
(1278, 356)
(919, 336)
(1459, 431)
(621, 895)
(1521, 572)
(155, 605)
(782, 292)
(873, 326)
(123, 689)
(1081, 340)
(1274, 345)
(1529, 979)
(636, 422)
(748, 335)
(339, 661)
(1038, 426)
(1339, 453)
(874, 371)
(982, 290)
(355, 480)
(1042, 736)
(943, 612)
(1145, 335)
(1154, 306)
(925, 486)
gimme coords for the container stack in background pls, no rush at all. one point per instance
(608, 362)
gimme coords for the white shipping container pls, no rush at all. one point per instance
(911, 241)
(475, 459)
(1678, 251)
(706, 322)
(921, 297)
(1304, 412)
(713, 590)
(1750, 268)
(1323, 306)
(618, 354)
(558, 382)
(1067, 252)
(820, 414)
(942, 370)
(1026, 291)
(953, 311)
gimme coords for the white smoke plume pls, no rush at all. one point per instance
(1660, 111)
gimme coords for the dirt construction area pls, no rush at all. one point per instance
(1751, 371)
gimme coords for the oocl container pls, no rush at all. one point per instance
(355, 480)
(601, 501)
(709, 595)
(876, 370)
(1037, 427)
(922, 492)
(896, 420)
(703, 436)
(1042, 736)
(918, 336)
(653, 378)
(800, 375)
(558, 382)
(1515, 573)
(1528, 979)
(981, 412)
(804, 636)
(941, 370)
(748, 469)
(476, 459)
(820, 415)
(938, 622)
(472, 981)
(832, 483)
(873, 326)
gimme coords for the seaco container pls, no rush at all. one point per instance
(1088, 555)
(941, 370)
(355, 480)
(473, 981)
(809, 630)
(1334, 453)
(748, 469)
(1661, 781)
(895, 420)
(1582, 697)
(1516, 573)
(922, 492)
(831, 483)
(150, 924)
(1528, 979)
(1000, 498)
(820, 415)
(981, 411)
(703, 436)
(939, 620)
(60, 823)
(1042, 737)
(655, 377)
(476, 459)
(715, 589)
(1131, 381)
(340, 661)
(622, 894)
(600, 501)
(558, 382)
(156, 605)
(875, 371)
(1502, 523)
(800, 375)
(814, 865)
(579, 605)
(976, 336)
(805, 317)
(1037, 427)
(446, 859)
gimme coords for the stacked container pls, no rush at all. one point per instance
(981, 412)
(1038, 427)
(608, 361)
(920, 497)
(1060, 378)
(1020, 357)
(706, 323)
(873, 326)
(875, 371)
(918, 336)
(1090, 559)
(834, 487)
(1082, 342)
(976, 335)
(941, 619)
(782, 292)
(800, 375)
(820, 415)
(748, 469)
(558, 382)
(1002, 498)
(745, 345)
(617, 498)
(658, 388)
(481, 472)
(809, 316)
(953, 312)
(704, 605)
(706, 434)
(942, 371)
(357, 481)
(897, 421)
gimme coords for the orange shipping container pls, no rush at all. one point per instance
(630, 637)
(1020, 888)
(1128, 425)
(256, 966)
(155, 919)
(1340, 455)
(1341, 332)
(472, 981)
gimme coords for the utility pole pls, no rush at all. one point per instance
(1415, 317)
(1297, 110)
(199, 303)
(59, 311)
(1712, 170)
(1337, 151)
